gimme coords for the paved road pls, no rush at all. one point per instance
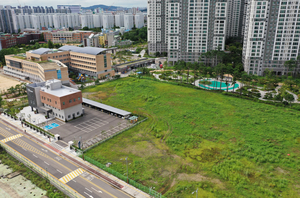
(67, 172)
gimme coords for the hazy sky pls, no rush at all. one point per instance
(85, 3)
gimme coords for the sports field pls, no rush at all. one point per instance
(225, 146)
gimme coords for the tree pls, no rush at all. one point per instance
(85, 28)
(50, 44)
(42, 37)
(290, 64)
(1, 101)
(157, 54)
(289, 97)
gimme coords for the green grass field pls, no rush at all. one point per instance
(225, 146)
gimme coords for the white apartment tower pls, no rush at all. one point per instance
(128, 21)
(272, 31)
(139, 20)
(119, 20)
(108, 20)
(188, 28)
(156, 26)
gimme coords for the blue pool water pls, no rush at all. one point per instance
(216, 85)
(51, 126)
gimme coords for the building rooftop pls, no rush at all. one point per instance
(42, 51)
(84, 50)
(49, 65)
(58, 91)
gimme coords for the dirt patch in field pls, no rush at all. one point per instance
(199, 178)
(280, 170)
(143, 149)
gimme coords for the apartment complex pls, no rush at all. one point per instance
(38, 65)
(67, 36)
(55, 100)
(272, 31)
(187, 28)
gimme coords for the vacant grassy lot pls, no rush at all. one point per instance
(226, 147)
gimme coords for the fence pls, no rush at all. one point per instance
(114, 135)
(124, 178)
(64, 188)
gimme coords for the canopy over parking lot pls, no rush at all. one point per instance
(105, 107)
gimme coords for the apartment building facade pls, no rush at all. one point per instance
(185, 29)
(272, 31)
(55, 100)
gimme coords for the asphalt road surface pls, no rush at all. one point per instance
(84, 183)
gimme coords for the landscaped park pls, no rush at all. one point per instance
(223, 145)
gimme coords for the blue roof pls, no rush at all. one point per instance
(84, 50)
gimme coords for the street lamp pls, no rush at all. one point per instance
(196, 193)
(127, 168)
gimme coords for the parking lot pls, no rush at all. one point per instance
(93, 127)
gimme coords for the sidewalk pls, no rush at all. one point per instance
(72, 156)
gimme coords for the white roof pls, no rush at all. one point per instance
(63, 91)
(106, 107)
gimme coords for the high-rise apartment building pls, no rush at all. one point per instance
(73, 8)
(188, 28)
(119, 20)
(235, 18)
(156, 26)
(7, 19)
(139, 20)
(272, 31)
(128, 21)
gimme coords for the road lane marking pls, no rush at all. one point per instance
(99, 191)
(88, 190)
(46, 163)
(11, 138)
(24, 149)
(59, 171)
(58, 159)
(90, 196)
(71, 175)
(35, 155)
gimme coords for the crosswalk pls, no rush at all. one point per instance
(11, 138)
(71, 175)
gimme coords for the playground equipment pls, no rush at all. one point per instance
(81, 77)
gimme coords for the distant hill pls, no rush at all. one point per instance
(104, 7)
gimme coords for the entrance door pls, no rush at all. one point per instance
(73, 115)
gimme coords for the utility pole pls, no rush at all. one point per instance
(127, 168)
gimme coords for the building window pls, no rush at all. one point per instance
(69, 116)
(55, 102)
(78, 98)
(74, 99)
(78, 113)
(63, 103)
(70, 101)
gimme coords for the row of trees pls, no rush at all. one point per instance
(15, 91)
(137, 35)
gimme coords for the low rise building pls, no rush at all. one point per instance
(67, 36)
(119, 43)
(37, 66)
(55, 99)
(91, 61)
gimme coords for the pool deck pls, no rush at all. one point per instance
(213, 79)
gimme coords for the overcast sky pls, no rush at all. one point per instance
(85, 3)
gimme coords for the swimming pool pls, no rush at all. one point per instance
(216, 86)
(51, 126)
